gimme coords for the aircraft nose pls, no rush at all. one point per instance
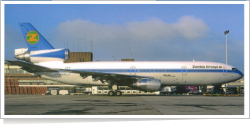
(241, 74)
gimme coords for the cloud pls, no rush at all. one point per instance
(83, 29)
(191, 27)
(147, 37)
(187, 27)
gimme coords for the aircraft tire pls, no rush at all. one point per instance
(118, 93)
(111, 93)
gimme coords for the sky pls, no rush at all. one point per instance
(145, 32)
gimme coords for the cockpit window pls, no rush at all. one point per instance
(234, 69)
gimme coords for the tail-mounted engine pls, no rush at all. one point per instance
(147, 84)
(44, 55)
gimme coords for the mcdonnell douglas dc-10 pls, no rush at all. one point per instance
(47, 62)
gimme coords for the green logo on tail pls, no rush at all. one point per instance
(32, 37)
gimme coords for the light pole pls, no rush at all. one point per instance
(226, 32)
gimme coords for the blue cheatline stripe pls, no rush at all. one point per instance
(56, 54)
(158, 71)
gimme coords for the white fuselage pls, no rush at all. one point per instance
(170, 73)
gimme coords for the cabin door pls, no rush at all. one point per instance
(67, 73)
(184, 74)
(184, 70)
(132, 70)
(224, 71)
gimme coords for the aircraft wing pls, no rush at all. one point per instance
(108, 77)
(30, 67)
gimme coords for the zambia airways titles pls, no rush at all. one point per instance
(207, 67)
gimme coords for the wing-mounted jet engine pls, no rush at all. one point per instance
(147, 84)
(37, 56)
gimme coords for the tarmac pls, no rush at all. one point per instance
(123, 105)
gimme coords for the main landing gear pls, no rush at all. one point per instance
(113, 93)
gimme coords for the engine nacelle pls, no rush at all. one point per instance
(44, 55)
(147, 84)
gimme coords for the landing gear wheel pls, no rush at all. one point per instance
(118, 93)
(111, 93)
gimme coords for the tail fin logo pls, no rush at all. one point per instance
(32, 37)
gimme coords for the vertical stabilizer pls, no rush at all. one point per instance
(34, 40)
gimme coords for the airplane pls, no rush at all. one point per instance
(44, 60)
